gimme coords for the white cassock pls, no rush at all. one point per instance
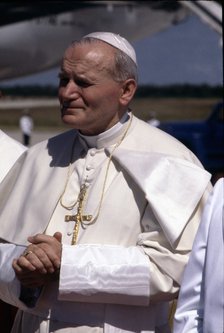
(10, 150)
(201, 302)
(127, 266)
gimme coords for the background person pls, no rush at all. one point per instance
(153, 121)
(112, 207)
(26, 126)
(201, 301)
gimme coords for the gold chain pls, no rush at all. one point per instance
(107, 170)
(67, 180)
(82, 195)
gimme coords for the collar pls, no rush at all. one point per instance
(106, 138)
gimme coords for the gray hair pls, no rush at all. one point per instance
(124, 67)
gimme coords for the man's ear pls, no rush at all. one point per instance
(127, 92)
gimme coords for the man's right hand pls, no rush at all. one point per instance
(41, 260)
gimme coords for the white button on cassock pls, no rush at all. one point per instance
(89, 167)
(93, 152)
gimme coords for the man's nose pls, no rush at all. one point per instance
(71, 90)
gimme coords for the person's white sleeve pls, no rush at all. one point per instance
(9, 284)
(107, 273)
(150, 271)
(200, 304)
(189, 314)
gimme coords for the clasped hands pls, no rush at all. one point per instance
(40, 262)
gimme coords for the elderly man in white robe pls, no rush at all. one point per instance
(100, 222)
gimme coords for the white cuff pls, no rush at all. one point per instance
(104, 274)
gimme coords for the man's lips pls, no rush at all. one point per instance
(66, 106)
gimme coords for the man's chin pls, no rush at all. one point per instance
(66, 118)
(69, 121)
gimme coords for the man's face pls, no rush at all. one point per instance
(89, 97)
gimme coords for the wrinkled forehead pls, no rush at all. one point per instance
(96, 53)
(83, 58)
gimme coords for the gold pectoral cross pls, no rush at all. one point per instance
(78, 218)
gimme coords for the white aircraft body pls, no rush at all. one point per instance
(33, 38)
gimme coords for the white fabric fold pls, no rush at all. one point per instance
(169, 185)
(107, 273)
(10, 150)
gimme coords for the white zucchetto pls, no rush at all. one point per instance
(115, 40)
